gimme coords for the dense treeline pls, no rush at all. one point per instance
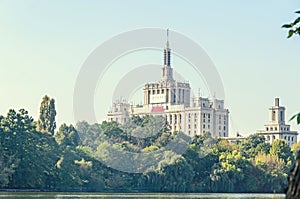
(72, 159)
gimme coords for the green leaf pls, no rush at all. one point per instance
(296, 116)
(286, 26)
(297, 21)
(291, 32)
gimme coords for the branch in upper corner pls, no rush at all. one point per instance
(297, 117)
(293, 29)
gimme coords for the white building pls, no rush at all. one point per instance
(171, 99)
(277, 128)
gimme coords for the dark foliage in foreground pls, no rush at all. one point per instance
(69, 160)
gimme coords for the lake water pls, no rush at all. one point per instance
(63, 195)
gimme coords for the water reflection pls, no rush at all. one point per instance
(26, 195)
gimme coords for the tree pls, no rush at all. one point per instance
(293, 190)
(67, 135)
(293, 29)
(281, 150)
(7, 169)
(46, 122)
(273, 173)
(296, 148)
(253, 144)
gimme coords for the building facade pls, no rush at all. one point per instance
(172, 99)
(276, 128)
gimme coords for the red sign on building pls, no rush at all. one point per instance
(156, 109)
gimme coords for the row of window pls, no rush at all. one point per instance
(275, 128)
(208, 115)
(158, 91)
(287, 138)
(162, 91)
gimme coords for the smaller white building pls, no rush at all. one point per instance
(277, 128)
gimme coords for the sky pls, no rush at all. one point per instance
(43, 45)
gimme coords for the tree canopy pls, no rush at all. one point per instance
(46, 122)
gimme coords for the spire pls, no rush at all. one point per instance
(167, 52)
(167, 44)
(167, 71)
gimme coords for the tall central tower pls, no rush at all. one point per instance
(167, 71)
(167, 91)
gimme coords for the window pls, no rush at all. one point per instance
(195, 125)
(285, 137)
(275, 128)
(292, 138)
(289, 138)
(224, 134)
(189, 126)
(158, 91)
(204, 126)
(224, 128)
(153, 92)
(268, 138)
(162, 91)
(267, 130)
(273, 115)
(219, 127)
(208, 115)
(271, 129)
(274, 137)
(208, 126)
(203, 115)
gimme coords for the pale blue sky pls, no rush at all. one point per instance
(43, 44)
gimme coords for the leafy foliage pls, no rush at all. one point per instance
(296, 117)
(67, 135)
(294, 28)
(70, 160)
(46, 122)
